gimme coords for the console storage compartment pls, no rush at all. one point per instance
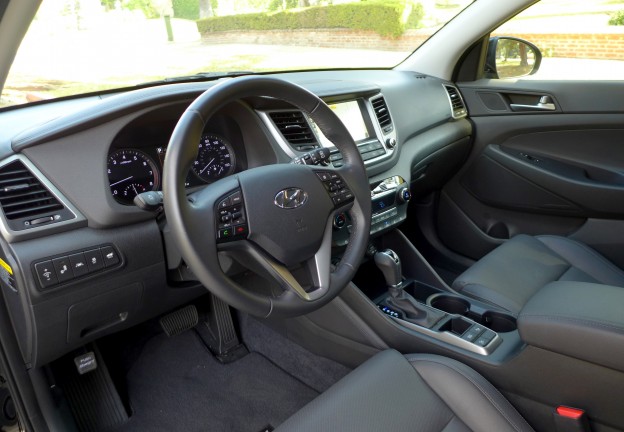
(580, 320)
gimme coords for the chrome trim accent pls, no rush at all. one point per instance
(320, 264)
(12, 236)
(290, 198)
(448, 96)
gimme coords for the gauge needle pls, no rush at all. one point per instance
(135, 191)
(209, 163)
(121, 181)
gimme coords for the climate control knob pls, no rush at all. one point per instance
(404, 194)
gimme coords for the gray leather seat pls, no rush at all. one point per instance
(415, 393)
(512, 273)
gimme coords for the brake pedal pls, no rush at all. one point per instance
(219, 334)
(179, 321)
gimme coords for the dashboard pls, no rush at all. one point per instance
(87, 158)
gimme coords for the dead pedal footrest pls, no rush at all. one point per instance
(91, 394)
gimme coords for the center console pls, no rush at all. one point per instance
(455, 320)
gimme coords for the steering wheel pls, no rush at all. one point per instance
(276, 220)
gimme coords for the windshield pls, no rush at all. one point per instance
(82, 46)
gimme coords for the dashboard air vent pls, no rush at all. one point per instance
(382, 113)
(295, 129)
(25, 201)
(458, 107)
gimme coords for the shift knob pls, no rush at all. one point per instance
(390, 265)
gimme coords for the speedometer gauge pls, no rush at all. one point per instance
(215, 159)
(131, 172)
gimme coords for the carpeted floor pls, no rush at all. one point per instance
(176, 385)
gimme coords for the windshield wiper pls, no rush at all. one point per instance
(201, 76)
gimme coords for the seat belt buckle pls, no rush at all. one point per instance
(568, 419)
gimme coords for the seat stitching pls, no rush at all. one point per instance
(481, 389)
(586, 248)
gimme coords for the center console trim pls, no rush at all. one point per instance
(453, 339)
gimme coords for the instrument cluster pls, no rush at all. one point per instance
(132, 171)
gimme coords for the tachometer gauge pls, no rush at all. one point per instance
(215, 159)
(131, 172)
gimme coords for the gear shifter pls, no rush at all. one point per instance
(390, 265)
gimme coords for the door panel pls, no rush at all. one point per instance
(544, 171)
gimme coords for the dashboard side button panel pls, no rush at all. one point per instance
(46, 274)
(94, 260)
(78, 264)
(63, 269)
(110, 256)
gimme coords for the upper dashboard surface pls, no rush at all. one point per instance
(115, 145)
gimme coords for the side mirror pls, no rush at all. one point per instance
(509, 57)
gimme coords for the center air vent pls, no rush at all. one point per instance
(382, 113)
(25, 201)
(295, 129)
(457, 103)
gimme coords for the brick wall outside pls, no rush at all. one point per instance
(604, 46)
(568, 45)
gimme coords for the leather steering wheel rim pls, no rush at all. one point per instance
(193, 223)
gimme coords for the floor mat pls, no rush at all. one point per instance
(315, 371)
(176, 385)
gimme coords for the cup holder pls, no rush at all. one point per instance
(499, 322)
(450, 304)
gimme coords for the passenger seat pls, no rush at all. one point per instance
(513, 272)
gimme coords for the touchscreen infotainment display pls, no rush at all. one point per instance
(350, 114)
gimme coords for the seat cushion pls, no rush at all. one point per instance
(512, 273)
(415, 393)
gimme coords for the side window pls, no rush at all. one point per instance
(566, 39)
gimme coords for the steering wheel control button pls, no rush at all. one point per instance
(63, 269)
(236, 198)
(336, 187)
(324, 176)
(46, 274)
(240, 230)
(110, 256)
(231, 220)
(78, 264)
(225, 203)
(226, 233)
(94, 260)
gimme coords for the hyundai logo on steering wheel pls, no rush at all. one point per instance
(291, 198)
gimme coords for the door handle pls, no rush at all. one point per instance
(545, 104)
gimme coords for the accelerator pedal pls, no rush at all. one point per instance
(91, 394)
(180, 320)
(219, 334)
